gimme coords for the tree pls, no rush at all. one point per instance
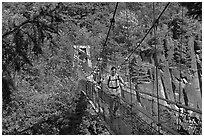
(26, 27)
(194, 9)
(27, 31)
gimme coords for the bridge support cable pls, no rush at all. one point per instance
(168, 111)
(134, 109)
(156, 65)
(139, 44)
(145, 112)
(137, 109)
(154, 75)
(180, 75)
(112, 21)
(129, 75)
(124, 127)
(170, 102)
(104, 96)
(131, 105)
(103, 54)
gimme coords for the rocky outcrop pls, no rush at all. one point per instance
(177, 83)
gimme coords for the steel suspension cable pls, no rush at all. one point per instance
(138, 45)
(131, 97)
(154, 71)
(156, 65)
(104, 46)
(180, 50)
(112, 21)
(98, 63)
(130, 78)
(114, 58)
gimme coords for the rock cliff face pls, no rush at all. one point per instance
(173, 73)
(177, 78)
(177, 82)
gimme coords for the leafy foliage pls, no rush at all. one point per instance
(32, 26)
(194, 9)
(39, 79)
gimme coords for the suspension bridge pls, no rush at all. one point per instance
(144, 109)
(142, 112)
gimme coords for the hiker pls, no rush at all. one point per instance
(97, 88)
(114, 82)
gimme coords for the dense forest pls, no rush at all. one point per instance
(39, 80)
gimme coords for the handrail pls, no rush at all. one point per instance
(175, 103)
(161, 104)
(150, 116)
(154, 101)
(169, 101)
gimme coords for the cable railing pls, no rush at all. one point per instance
(105, 102)
(168, 101)
(164, 127)
(153, 100)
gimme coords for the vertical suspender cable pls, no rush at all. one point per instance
(97, 64)
(114, 62)
(131, 98)
(99, 82)
(180, 50)
(126, 37)
(139, 44)
(154, 73)
(113, 20)
(156, 60)
(130, 78)
(104, 46)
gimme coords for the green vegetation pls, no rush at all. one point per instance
(39, 81)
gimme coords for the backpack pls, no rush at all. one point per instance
(109, 79)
